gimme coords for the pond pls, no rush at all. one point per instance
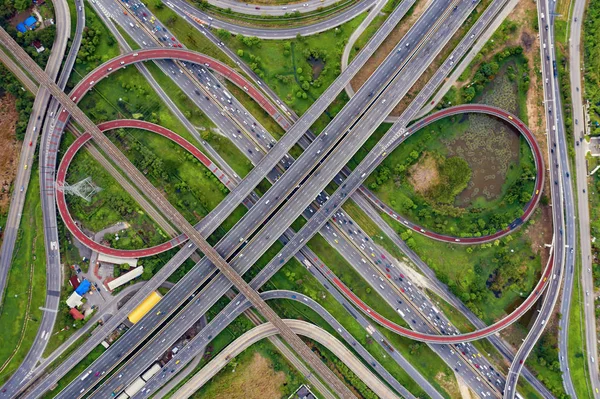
(317, 66)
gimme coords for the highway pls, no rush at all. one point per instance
(21, 181)
(248, 8)
(177, 218)
(43, 106)
(587, 278)
(358, 62)
(562, 201)
(187, 10)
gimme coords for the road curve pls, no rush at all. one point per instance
(299, 327)
(189, 11)
(249, 8)
(473, 108)
(84, 138)
(145, 55)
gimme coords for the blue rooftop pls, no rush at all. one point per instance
(30, 22)
(21, 28)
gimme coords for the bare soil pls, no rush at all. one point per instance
(255, 380)
(540, 233)
(424, 175)
(9, 148)
(449, 383)
(388, 45)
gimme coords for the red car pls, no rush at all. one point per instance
(30, 143)
(173, 38)
(401, 275)
(144, 14)
(179, 45)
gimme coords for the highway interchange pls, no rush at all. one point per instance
(298, 189)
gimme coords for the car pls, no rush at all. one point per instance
(22, 188)
(25, 168)
(172, 38)
(30, 143)
(124, 12)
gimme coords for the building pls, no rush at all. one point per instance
(76, 314)
(303, 392)
(74, 281)
(21, 27)
(117, 261)
(144, 307)
(38, 46)
(74, 300)
(125, 278)
(29, 24)
(83, 288)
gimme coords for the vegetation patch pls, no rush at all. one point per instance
(25, 292)
(468, 175)
(591, 40)
(285, 65)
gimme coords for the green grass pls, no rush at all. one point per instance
(284, 67)
(465, 269)
(544, 363)
(485, 206)
(27, 275)
(577, 361)
(293, 276)
(111, 205)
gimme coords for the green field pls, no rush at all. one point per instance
(488, 278)
(464, 176)
(25, 290)
(284, 64)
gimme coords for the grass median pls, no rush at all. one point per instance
(25, 290)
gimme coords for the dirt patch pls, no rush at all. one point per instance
(388, 45)
(255, 380)
(449, 383)
(424, 175)
(9, 148)
(540, 232)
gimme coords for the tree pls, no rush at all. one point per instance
(240, 53)
(159, 4)
(22, 5)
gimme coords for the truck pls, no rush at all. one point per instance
(400, 312)
(151, 372)
(135, 387)
(117, 390)
(554, 68)
(306, 263)
(435, 309)
(370, 329)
